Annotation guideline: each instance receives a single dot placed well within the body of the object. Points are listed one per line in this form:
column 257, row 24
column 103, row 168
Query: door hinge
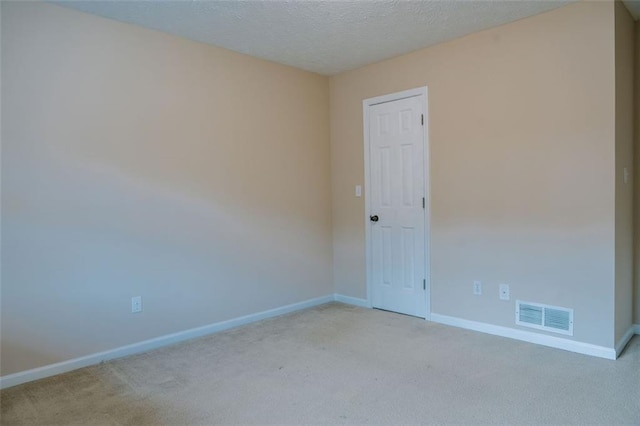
column 422, row 119
column 424, row 284
column 423, row 202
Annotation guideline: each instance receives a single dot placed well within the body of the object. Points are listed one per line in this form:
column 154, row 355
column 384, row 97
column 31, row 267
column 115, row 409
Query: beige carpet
column 337, row 364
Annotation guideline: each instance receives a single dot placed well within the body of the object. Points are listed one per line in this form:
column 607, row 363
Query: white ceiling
column 326, row 37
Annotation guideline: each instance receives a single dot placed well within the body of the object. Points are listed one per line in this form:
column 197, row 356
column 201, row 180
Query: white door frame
column 366, row 104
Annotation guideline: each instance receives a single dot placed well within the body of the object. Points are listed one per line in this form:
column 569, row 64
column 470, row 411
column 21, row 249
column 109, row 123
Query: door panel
column 397, row 180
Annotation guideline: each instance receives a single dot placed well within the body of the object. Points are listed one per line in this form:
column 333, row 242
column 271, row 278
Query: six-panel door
column 397, row 162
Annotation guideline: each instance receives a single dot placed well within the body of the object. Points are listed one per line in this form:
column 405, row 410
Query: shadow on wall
column 80, row 239
column 31, row 354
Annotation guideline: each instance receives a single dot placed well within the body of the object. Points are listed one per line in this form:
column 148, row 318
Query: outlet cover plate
column 136, row 304
column 477, row 288
column 504, row 292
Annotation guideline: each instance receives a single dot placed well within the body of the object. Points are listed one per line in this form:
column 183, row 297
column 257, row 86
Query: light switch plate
column 358, row 190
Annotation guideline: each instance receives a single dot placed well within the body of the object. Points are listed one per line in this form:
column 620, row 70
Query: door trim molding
column 366, row 104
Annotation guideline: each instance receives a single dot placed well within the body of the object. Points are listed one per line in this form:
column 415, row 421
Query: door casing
column 366, row 104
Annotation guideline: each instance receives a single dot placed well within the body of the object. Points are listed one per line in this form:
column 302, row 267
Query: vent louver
column 544, row 317
column 531, row 314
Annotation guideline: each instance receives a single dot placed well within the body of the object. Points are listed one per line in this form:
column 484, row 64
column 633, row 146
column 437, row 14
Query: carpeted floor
column 338, row 364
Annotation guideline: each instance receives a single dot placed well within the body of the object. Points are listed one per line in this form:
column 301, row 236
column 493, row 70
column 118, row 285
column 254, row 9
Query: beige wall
column 138, row 163
column 522, row 167
column 624, row 45
column 637, row 173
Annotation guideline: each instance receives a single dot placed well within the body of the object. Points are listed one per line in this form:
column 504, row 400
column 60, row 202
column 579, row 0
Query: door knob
column 374, row 218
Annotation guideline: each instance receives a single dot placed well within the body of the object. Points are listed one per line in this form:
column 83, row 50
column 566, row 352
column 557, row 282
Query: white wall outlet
column 358, row 190
column 625, row 175
column 477, row 288
column 136, row 304
column 504, row 292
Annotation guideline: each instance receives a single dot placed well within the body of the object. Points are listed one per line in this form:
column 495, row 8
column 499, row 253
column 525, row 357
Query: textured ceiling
column 326, row 37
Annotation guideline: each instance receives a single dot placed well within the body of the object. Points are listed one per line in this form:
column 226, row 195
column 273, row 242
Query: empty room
column 320, row 212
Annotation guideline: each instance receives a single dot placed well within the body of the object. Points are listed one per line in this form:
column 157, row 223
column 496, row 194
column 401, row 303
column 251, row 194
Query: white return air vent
column 544, row 317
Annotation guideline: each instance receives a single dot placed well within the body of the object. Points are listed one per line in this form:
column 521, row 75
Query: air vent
column 544, row 317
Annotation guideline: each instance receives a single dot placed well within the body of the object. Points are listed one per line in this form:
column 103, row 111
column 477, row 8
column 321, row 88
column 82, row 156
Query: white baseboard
column 625, row 339
column 363, row 303
column 169, row 339
column 147, row 345
column 528, row 336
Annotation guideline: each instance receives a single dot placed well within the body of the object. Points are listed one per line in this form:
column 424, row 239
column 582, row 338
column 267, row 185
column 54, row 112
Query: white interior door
column 397, row 206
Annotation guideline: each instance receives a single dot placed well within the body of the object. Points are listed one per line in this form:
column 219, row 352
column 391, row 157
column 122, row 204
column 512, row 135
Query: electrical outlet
column 136, row 304
column 477, row 288
column 504, row 291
